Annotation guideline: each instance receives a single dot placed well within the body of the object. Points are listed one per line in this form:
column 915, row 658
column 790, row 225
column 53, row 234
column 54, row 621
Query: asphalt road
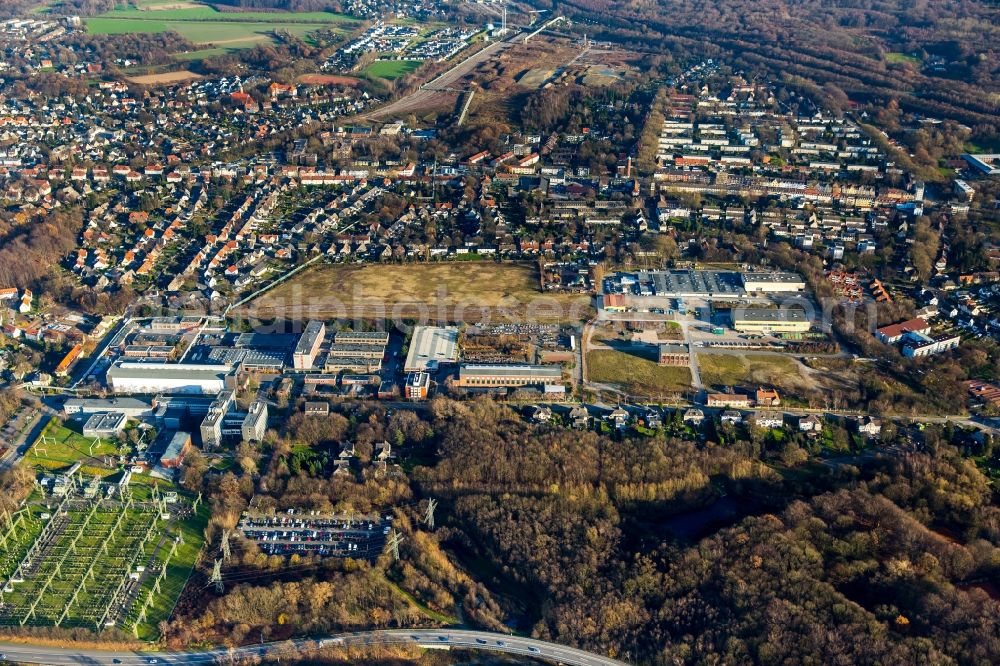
column 439, row 639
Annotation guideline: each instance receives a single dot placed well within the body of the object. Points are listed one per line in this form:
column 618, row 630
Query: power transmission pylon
column 429, row 514
column 217, row 577
column 395, row 538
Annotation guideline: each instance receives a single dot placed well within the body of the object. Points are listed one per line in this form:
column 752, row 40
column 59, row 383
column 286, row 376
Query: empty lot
column 455, row 291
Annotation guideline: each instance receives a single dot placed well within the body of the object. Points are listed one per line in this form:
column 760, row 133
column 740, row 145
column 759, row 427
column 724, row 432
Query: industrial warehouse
column 702, row 284
column 762, row 320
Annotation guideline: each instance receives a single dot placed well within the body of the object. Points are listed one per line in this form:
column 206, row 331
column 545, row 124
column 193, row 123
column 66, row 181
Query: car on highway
column 501, row 644
column 481, row 641
column 532, row 648
column 443, row 639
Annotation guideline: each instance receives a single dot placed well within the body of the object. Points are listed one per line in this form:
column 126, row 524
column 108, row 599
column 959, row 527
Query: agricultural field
column 164, row 78
column 391, row 69
column 453, row 291
column 637, row 375
column 98, row 557
column 328, row 80
column 205, row 25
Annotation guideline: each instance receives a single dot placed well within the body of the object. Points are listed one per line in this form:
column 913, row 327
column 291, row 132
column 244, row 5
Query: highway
column 431, row 639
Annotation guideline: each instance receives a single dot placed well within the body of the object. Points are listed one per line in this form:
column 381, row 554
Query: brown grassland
column 456, row 291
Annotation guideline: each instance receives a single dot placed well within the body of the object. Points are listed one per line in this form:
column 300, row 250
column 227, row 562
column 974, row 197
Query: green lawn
column 637, row 375
column 205, row 13
column 205, row 25
column 901, row 58
column 391, row 69
column 178, row 572
column 63, row 447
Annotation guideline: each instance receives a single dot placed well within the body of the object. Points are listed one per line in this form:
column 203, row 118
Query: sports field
column 454, row 291
column 391, row 69
column 205, row 25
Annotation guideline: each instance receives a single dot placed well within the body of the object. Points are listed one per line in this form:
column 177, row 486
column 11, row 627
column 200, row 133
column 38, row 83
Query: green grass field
column 637, row 375
column 901, row 58
column 62, row 447
column 391, row 69
column 205, row 13
column 226, row 31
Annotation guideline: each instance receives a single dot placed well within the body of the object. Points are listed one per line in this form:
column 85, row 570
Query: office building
column 418, row 385
column 211, row 425
column 255, row 422
column 308, row 345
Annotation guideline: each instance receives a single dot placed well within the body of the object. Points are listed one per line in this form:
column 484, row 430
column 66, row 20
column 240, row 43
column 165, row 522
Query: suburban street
column 438, row 639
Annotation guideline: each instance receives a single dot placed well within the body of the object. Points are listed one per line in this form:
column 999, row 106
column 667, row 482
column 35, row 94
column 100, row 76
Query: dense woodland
column 827, row 49
column 618, row 544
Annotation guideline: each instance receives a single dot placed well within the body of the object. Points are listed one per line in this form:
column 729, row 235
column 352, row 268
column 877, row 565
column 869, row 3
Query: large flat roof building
column 106, row 424
column 761, row 320
column 361, row 338
column 697, row 284
column 131, row 407
column 127, row 377
column 759, row 282
column 474, row 375
column 430, row 346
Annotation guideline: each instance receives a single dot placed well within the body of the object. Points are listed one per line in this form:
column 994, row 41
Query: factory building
column 760, row 320
column 430, row 346
column 178, row 447
column 129, row 377
column 105, row 424
column 771, row 283
column 492, row 376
